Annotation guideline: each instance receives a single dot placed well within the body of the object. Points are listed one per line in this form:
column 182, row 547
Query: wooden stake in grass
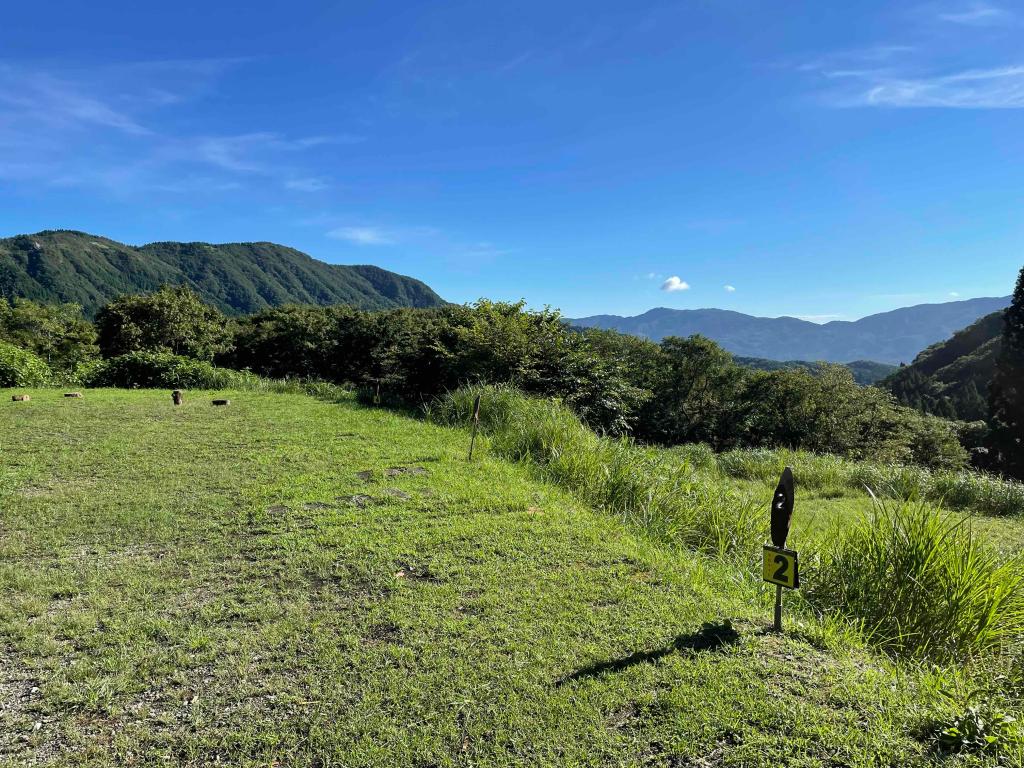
column 376, row 395
column 476, row 424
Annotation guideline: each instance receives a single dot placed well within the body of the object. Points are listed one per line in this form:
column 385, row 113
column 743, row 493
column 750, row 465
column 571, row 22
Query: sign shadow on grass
column 709, row 638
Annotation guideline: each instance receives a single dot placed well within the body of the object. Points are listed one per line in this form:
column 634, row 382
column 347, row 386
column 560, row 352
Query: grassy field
column 287, row 581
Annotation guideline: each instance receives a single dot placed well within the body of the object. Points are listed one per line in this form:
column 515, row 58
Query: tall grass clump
column 644, row 487
column 920, row 584
column 955, row 489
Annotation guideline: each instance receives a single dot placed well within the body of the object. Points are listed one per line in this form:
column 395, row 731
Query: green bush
column 21, row 368
column 921, row 584
column 160, row 370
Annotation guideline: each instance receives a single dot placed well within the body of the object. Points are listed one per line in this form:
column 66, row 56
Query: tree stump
column 176, row 396
column 21, row 398
column 222, row 402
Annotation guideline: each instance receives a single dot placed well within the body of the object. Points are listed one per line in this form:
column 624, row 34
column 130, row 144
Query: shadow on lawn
column 710, row 637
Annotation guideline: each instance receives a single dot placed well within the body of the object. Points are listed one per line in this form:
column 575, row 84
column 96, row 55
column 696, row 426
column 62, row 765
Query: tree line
column 681, row 390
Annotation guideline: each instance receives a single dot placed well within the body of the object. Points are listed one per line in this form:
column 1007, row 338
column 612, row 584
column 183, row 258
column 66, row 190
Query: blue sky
column 814, row 159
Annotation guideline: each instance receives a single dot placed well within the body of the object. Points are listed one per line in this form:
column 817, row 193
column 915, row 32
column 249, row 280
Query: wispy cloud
column 1000, row 88
column 932, row 71
column 308, row 184
column 674, row 284
column 977, row 15
column 954, row 294
column 362, row 235
column 729, row 288
column 819, row 318
column 105, row 127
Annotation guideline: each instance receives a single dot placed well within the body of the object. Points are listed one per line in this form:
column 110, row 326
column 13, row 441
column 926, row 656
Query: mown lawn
column 251, row 585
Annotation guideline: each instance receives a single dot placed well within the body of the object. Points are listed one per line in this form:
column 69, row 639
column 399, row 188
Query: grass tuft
column 921, row 584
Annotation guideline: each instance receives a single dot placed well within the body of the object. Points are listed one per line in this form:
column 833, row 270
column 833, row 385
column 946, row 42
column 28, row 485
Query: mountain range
column 888, row 337
column 237, row 278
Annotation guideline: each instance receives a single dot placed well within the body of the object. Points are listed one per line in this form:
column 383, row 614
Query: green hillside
column 951, row 378
column 338, row 586
column 237, row 278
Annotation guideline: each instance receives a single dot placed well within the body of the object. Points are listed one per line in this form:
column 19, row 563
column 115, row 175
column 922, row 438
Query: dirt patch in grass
column 27, row 734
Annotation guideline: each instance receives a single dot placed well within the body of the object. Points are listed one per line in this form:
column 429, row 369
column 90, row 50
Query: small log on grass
column 72, row 394
column 222, row 402
column 21, row 398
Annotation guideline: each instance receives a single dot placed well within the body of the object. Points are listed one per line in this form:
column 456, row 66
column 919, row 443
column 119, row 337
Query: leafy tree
column 22, row 368
column 58, row 333
column 171, row 319
column 1006, row 398
column 695, row 395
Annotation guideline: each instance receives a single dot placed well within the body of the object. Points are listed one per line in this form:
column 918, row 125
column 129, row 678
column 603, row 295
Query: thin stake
column 476, row 423
column 778, row 608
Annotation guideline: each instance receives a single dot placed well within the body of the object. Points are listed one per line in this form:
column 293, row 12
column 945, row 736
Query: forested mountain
column 952, row 378
column 67, row 266
column 864, row 371
column 889, row 337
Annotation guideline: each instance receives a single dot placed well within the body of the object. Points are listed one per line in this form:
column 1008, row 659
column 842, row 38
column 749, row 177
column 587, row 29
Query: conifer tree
column 1006, row 399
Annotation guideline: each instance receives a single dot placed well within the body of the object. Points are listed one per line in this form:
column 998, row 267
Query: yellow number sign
column 781, row 567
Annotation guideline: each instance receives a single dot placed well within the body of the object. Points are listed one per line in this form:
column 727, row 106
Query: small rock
column 361, row 500
column 366, row 475
column 396, row 471
column 397, row 493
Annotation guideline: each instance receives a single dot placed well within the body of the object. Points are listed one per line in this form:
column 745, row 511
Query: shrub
column 920, row 584
column 160, row 370
column 21, row 368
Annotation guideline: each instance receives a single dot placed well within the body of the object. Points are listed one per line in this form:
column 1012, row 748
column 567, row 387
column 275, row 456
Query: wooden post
column 176, row 396
column 476, row 424
column 778, row 608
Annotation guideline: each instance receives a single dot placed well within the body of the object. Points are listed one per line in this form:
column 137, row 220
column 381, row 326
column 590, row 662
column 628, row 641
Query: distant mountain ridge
column 888, row 337
column 237, row 278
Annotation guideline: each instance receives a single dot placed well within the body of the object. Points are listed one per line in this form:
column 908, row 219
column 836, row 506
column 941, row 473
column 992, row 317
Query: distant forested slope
column 67, row 266
column 864, row 371
column 952, row 378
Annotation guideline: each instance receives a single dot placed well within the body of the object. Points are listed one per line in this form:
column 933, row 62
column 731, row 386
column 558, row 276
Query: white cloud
column 954, row 294
column 362, row 235
column 729, row 288
column 819, row 318
column 674, row 284
column 976, row 15
column 999, row 88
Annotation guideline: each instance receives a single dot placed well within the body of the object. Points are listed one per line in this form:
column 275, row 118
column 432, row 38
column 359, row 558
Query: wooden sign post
column 780, row 565
column 476, row 424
